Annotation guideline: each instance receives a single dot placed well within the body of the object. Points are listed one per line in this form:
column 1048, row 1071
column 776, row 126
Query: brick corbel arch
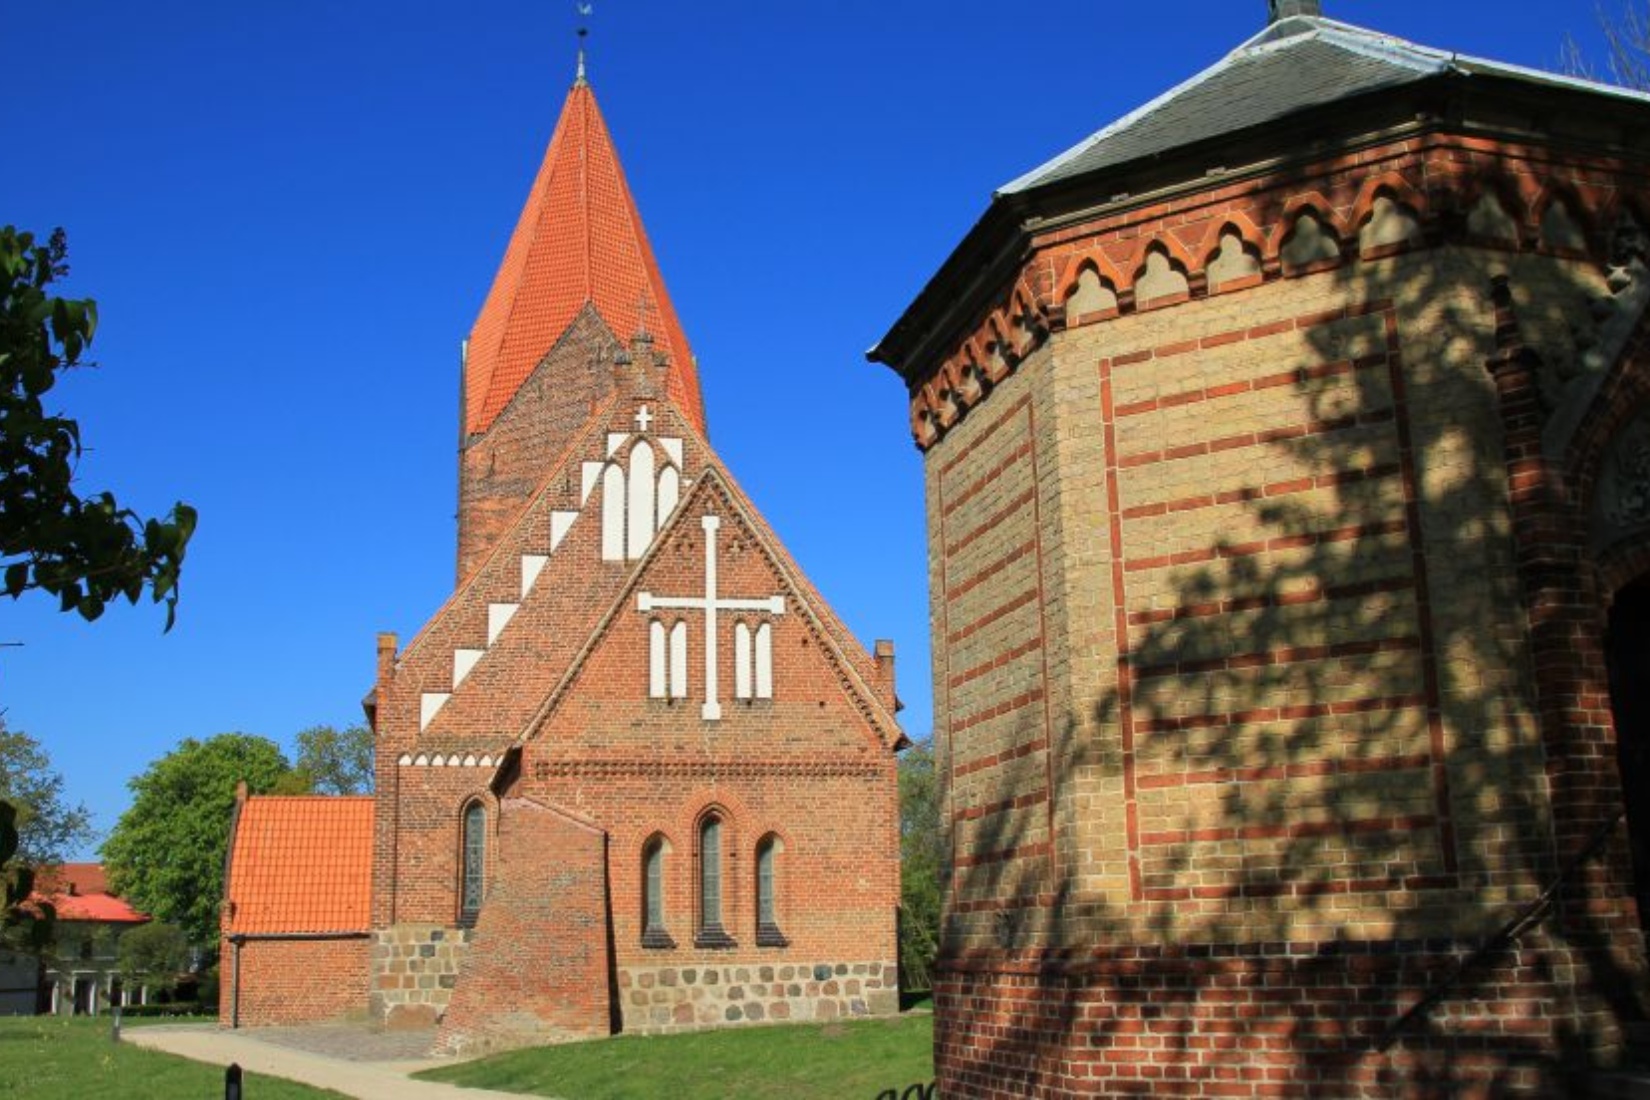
column 1171, row 247
column 1399, row 189
column 1320, row 208
column 1066, row 282
column 1208, row 245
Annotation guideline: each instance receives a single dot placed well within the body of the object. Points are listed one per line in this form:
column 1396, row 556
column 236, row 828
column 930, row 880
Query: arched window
column 767, row 886
column 711, row 933
column 653, row 894
column 472, row 873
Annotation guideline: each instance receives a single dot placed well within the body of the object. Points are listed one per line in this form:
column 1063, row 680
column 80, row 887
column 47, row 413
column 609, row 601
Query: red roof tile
column 301, row 864
column 80, row 891
column 579, row 240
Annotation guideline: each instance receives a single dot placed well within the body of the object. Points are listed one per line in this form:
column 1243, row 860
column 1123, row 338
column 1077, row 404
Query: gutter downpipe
column 240, row 939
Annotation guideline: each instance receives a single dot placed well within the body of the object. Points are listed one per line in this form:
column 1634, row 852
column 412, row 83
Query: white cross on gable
column 644, row 419
column 710, row 603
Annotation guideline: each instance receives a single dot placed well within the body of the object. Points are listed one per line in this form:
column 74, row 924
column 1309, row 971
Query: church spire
column 579, row 241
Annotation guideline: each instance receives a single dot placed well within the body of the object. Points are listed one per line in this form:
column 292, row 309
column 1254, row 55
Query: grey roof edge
column 1401, row 53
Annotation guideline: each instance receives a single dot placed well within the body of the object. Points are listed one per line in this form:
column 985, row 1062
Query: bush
column 176, row 1008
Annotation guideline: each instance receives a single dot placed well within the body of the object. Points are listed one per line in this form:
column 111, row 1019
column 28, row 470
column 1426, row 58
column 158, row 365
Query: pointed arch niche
column 641, row 486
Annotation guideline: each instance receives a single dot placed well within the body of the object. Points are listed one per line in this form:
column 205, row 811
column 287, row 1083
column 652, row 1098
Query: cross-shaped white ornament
column 710, row 603
column 644, row 419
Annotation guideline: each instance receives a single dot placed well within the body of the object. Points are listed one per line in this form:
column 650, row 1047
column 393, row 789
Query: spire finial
column 584, row 10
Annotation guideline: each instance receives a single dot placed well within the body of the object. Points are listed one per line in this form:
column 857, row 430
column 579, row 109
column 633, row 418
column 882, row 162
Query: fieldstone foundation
column 656, row 1000
column 414, row 970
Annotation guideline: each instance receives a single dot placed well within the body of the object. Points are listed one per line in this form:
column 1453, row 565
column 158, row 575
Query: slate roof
column 579, row 240
column 1294, row 65
column 300, row 864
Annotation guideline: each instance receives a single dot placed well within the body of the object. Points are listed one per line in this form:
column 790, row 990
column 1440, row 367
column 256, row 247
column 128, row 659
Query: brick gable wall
column 1233, row 667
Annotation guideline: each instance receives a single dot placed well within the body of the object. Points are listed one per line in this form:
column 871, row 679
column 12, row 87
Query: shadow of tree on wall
column 1332, row 731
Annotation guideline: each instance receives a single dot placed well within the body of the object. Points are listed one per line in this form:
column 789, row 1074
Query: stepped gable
column 454, row 685
column 482, row 673
column 579, row 241
column 678, row 553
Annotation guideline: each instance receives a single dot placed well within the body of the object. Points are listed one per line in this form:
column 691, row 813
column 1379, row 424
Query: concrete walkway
column 366, row 1080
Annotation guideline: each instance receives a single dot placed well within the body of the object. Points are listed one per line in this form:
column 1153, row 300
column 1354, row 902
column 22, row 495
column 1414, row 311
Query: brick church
column 635, row 774
column 1287, row 460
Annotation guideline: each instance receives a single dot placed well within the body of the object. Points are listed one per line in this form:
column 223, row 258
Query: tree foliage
column 85, row 551
column 153, row 954
column 48, row 828
column 336, row 761
column 24, row 925
column 922, row 849
column 166, row 853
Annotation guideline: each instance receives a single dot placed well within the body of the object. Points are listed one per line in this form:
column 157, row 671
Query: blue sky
column 290, row 213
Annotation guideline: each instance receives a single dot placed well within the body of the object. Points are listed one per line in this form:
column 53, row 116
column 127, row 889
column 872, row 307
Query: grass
column 49, row 1056
column 854, row 1059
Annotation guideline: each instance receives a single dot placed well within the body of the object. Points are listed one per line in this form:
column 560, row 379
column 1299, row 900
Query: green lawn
column 46, row 1056
column 843, row 1061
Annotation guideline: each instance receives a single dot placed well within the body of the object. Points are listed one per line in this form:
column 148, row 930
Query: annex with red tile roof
column 300, row 864
column 579, row 241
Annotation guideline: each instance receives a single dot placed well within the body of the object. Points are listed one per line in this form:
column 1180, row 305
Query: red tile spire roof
column 579, row 240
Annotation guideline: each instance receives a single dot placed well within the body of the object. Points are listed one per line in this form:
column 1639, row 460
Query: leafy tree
column 922, row 849
column 336, row 761
column 166, row 853
column 24, row 926
column 48, row 828
column 85, row 551
column 153, row 954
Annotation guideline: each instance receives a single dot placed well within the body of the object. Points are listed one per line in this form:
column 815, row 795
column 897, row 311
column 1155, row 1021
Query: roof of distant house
column 300, row 864
column 80, row 892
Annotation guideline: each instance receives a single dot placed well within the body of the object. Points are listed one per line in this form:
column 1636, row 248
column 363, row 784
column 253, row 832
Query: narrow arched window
column 472, row 876
column 767, row 886
column 711, row 933
column 653, row 895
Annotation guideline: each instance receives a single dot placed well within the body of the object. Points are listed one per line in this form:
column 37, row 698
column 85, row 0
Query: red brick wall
column 292, row 981
column 500, row 470
column 537, row 968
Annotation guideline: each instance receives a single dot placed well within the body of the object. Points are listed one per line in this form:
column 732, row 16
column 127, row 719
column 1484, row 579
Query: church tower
column 578, row 273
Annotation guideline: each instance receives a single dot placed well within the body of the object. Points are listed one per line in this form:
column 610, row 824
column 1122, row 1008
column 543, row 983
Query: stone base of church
column 655, row 1000
column 414, row 970
column 1277, row 1019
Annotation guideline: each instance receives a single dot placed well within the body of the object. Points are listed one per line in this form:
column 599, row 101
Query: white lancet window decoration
column 613, row 513
column 710, row 604
column 667, row 660
column 752, row 661
column 643, row 521
column 641, row 486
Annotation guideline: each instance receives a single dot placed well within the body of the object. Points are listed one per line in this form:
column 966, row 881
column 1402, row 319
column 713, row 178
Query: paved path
column 364, row 1064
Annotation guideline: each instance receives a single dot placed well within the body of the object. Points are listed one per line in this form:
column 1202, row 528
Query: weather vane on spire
column 584, row 9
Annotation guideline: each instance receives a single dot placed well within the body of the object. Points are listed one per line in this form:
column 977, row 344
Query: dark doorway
column 84, row 991
column 1628, row 647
